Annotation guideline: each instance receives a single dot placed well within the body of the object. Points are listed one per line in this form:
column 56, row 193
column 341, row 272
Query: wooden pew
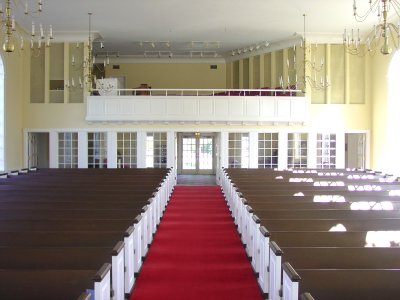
column 74, row 220
column 294, row 226
column 359, row 258
column 341, row 284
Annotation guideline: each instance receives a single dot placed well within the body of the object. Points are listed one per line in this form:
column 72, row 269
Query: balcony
column 209, row 106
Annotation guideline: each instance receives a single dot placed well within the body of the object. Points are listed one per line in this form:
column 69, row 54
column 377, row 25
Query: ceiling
column 207, row 27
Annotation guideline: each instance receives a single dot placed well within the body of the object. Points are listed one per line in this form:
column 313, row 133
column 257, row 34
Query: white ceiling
column 208, row 25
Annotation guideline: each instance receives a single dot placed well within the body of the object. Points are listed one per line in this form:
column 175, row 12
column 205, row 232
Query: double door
column 196, row 153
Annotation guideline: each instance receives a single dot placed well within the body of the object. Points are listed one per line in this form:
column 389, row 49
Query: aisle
column 197, row 252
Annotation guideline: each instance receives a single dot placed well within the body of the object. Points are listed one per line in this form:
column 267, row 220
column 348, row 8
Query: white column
column 171, row 149
column 340, row 150
column 82, row 150
column 224, row 149
column 282, row 150
column 111, row 149
column 312, row 150
column 253, row 150
column 53, row 149
column 141, row 149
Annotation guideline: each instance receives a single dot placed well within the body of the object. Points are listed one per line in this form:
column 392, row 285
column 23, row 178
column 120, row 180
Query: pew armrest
column 118, row 248
column 306, row 296
column 104, row 270
column 84, row 296
column 264, row 231
column 288, row 269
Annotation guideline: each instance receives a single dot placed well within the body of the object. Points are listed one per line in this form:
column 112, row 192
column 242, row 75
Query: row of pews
column 78, row 233
column 318, row 234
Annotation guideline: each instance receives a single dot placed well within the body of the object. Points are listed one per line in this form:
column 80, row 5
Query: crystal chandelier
column 8, row 26
column 382, row 36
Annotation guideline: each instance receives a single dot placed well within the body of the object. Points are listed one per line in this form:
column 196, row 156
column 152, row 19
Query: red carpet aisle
column 196, row 253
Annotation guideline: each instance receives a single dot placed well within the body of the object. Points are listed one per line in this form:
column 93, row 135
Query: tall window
column 238, row 150
column 67, row 149
column 127, row 150
column 268, row 150
column 97, row 150
column 1, row 114
column 156, row 150
column 297, row 150
column 326, row 151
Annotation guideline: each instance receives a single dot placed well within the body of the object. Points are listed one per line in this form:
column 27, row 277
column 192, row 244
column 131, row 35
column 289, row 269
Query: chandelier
column 8, row 9
column 311, row 69
column 382, row 36
column 84, row 67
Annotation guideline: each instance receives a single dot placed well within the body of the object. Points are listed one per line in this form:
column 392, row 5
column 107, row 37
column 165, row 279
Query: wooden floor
column 196, row 180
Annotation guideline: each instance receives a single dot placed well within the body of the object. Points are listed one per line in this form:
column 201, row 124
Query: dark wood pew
column 341, row 257
column 327, row 258
column 54, row 258
column 94, row 207
column 60, row 238
column 292, row 214
column 320, row 238
column 301, row 205
column 47, row 284
column 344, row 284
column 325, row 225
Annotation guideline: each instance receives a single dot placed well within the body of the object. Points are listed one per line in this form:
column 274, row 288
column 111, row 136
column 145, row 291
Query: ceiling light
column 10, row 33
column 384, row 33
column 153, row 45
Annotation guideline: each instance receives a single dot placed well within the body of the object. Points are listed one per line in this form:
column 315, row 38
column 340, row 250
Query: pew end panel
column 255, row 225
column 263, row 278
column 275, row 269
column 290, row 283
column 102, row 283
column 118, row 272
column 129, row 259
column 138, row 242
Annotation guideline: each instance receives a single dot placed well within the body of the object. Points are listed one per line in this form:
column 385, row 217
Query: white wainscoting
column 249, row 109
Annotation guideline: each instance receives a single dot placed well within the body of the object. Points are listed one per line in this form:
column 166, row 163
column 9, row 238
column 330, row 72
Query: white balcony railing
column 198, row 105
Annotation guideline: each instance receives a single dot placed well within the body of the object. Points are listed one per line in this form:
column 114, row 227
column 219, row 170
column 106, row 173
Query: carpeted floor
column 196, row 253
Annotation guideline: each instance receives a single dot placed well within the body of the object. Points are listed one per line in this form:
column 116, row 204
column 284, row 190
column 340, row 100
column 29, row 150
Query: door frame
column 197, row 135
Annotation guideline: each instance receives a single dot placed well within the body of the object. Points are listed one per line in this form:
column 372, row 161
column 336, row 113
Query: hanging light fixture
column 10, row 33
column 309, row 71
column 382, row 36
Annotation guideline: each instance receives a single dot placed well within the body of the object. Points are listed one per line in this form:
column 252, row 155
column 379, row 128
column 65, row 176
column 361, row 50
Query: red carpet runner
column 196, row 253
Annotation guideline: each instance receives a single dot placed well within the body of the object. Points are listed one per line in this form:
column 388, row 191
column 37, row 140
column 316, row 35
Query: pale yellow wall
column 380, row 138
column 171, row 75
column 20, row 113
column 17, row 77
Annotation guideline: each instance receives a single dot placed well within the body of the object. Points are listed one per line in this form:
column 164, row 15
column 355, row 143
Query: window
column 1, row 114
column 97, row 150
column 268, row 150
column 67, row 150
column 326, row 151
column 238, row 150
column 127, row 150
column 156, row 150
column 297, row 150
